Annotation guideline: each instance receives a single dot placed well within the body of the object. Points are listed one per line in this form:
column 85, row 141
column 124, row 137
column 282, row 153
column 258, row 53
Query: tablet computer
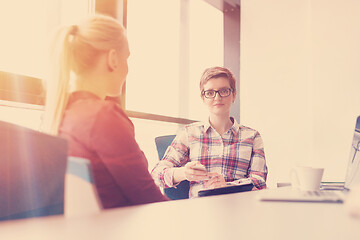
column 226, row 190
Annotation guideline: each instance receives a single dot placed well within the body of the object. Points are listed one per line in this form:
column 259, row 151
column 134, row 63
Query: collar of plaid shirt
column 235, row 128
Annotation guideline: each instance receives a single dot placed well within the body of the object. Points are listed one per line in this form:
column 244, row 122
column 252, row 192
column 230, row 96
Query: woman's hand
column 192, row 171
column 216, row 180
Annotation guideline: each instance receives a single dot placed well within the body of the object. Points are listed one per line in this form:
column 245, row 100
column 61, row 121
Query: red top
column 101, row 132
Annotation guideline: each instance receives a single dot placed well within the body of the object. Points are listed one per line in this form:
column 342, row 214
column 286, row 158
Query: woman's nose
column 217, row 95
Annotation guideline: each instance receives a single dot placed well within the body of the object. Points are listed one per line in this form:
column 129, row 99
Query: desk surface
column 233, row 216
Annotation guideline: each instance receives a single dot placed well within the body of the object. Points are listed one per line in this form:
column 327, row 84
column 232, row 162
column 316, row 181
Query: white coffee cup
column 306, row 178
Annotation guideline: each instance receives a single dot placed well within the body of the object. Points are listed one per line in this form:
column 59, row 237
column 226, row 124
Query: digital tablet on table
column 226, row 190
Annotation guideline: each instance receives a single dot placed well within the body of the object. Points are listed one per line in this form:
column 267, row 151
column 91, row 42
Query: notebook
column 32, row 172
column 329, row 192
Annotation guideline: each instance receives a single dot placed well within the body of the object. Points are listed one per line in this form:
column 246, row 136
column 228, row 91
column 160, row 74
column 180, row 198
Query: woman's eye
column 210, row 93
column 224, row 91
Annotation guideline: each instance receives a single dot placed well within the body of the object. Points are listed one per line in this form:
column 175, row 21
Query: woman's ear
column 112, row 60
column 202, row 97
column 234, row 96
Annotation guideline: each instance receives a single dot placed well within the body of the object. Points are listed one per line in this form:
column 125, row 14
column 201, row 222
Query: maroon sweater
column 101, row 132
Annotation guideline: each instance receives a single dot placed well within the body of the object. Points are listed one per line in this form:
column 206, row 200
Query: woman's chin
column 220, row 112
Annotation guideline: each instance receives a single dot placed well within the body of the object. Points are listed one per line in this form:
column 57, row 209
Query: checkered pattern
column 238, row 155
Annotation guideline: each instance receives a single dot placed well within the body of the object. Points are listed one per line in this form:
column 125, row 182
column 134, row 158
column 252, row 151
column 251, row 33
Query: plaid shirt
column 238, row 155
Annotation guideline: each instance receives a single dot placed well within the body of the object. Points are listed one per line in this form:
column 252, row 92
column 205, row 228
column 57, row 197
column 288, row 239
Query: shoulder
column 248, row 131
column 88, row 104
column 101, row 110
column 195, row 128
column 188, row 132
column 112, row 108
column 113, row 132
column 112, row 114
column 246, row 128
column 194, row 125
column 85, row 108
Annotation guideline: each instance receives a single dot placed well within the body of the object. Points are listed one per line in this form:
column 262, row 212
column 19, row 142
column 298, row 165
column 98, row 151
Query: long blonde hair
column 75, row 50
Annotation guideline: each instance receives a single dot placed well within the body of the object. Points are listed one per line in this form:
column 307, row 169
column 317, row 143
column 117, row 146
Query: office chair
column 81, row 197
column 32, row 170
column 182, row 190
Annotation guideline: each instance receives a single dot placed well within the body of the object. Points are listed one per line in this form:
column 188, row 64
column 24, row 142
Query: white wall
column 300, row 81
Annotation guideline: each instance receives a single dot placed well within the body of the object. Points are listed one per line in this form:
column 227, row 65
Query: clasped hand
column 194, row 171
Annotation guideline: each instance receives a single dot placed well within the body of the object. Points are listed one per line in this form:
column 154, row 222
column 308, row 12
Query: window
column 25, row 27
column 171, row 43
column 23, row 36
column 206, row 50
column 153, row 32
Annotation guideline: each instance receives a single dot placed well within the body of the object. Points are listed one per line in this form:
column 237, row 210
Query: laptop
column 330, row 192
column 32, row 172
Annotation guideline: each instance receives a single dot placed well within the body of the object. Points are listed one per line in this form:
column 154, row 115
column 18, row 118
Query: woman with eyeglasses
column 218, row 152
column 94, row 56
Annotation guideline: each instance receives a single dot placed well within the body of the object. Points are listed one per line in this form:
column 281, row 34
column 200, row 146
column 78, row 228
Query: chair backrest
column 182, row 190
column 81, row 197
column 32, row 170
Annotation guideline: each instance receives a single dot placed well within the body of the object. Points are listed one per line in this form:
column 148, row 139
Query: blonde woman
column 95, row 52
column 218, row 152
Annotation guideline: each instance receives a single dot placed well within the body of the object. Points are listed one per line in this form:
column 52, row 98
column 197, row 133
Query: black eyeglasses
column 224, row 92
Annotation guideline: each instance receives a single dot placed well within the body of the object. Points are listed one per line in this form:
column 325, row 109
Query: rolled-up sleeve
column 257, row 171
column 176, row 155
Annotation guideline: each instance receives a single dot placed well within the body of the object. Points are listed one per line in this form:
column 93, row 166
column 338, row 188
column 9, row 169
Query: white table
column 233, row 216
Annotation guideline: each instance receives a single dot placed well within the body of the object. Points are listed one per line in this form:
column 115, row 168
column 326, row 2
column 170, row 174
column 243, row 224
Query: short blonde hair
column 216, row 72
column 76, row 49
